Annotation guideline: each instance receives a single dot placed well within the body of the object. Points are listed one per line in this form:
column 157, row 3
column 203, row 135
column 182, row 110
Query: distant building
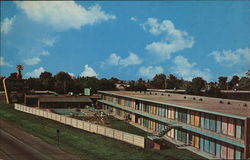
column 121, row 87
column 236, row 94
column 220, row 127
column 41, row 92
column 59, row 101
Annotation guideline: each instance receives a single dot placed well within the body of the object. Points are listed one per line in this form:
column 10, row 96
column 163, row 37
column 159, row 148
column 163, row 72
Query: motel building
column 213, row 126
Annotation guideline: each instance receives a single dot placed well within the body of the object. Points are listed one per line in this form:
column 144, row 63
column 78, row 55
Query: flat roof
column 236, row 107
column 67, row 99
column 58, row 96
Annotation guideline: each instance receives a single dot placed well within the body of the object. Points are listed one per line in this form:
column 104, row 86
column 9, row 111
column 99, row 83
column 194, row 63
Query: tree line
column 198, row 86
column 62, row 82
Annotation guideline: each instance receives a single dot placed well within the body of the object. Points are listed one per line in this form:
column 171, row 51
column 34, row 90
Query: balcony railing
column 208, row 133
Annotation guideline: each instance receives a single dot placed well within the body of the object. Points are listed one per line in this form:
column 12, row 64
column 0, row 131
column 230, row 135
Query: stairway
column 160, row 134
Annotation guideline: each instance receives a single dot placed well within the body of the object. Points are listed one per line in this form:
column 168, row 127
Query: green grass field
column 125, row 126
column 83, row 144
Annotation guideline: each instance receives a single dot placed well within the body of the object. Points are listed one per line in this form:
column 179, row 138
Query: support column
column 188, row 117
column 246, row 138
column 38, row 103
column 133, row 117
column 187, row 138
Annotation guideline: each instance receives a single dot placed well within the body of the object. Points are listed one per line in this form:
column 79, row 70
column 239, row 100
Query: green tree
column 63, row 83
column 1, row 83
column 172, row 82
column 34, row 84
column 196, row 85
column 79, row 85
column 244, row 83
column 114, row 80
column 184, row 84
column 47, row 81
column 138, row 85
column 233, row 82
column 131, row 85
column 13, row 76
column 213, row 90
column 91, row 82
column 106, row 85
column 222, row 83
column 159, row 81
column 248, row 73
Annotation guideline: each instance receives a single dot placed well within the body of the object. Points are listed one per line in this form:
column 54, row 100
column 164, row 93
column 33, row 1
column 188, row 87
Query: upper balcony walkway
column 205, row 132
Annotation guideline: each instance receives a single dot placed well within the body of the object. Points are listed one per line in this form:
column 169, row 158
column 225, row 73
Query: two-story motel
column 220, row 127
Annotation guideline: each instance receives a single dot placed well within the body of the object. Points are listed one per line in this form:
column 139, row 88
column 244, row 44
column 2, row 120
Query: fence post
column 76, row 123
column 133, row 139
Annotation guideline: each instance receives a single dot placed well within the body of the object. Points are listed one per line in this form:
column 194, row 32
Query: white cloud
column 183, row 68
column 49, row 41
column 174, row 40
column 45, row 53
column 231, row 58
column 88, row 72
column 150, row 71
column 35, row 73
column 115, row 60
column 63, row 15
column 3, row 63
column 133, row 19
column 71, row 74
column 152, row 26
column 32, row 61
column 132, row 59
column 6, row 25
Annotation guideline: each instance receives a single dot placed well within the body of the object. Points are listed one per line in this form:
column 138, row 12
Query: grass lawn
column 125, row 126
column 84, row 144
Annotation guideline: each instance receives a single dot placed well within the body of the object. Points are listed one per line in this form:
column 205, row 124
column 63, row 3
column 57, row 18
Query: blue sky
column 126, row 39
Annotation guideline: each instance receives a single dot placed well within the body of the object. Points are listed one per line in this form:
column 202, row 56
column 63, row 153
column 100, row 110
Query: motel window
column 210, row 122
column 182, row 116
column 147, row 107
column 181, row 136
column 110, row 98
column 119, row 100
column 206, row 121
column 128, row 103
column 144, row 107
column 208, row 145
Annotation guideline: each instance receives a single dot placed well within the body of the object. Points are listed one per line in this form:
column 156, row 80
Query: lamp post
column 58, row 132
